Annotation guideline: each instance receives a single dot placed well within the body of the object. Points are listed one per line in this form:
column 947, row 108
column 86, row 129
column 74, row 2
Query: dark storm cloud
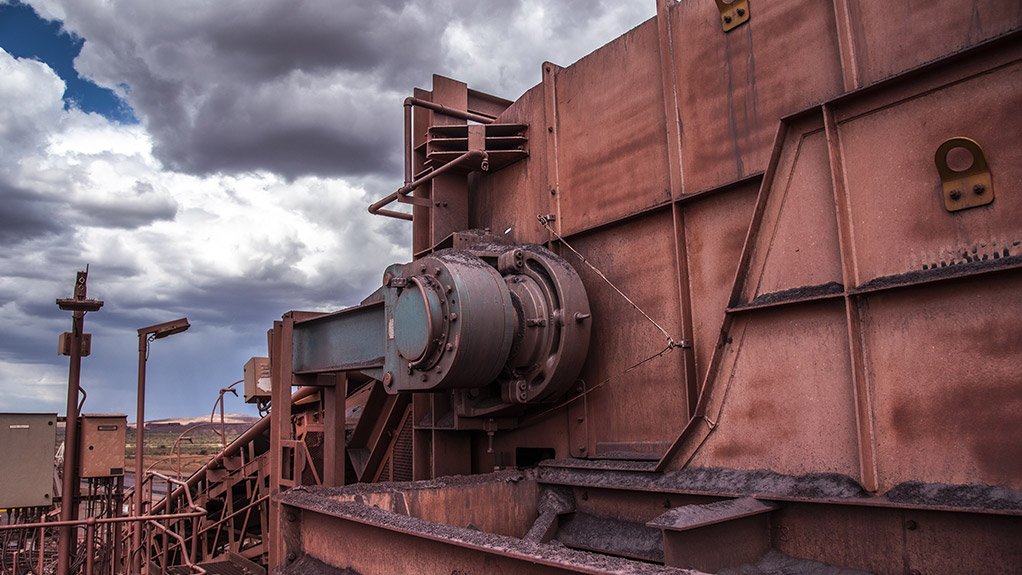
column 262, row 86
column 350, row 35
column 235, row 134
column 315, row 87
column 144, row 208
column 25, row 216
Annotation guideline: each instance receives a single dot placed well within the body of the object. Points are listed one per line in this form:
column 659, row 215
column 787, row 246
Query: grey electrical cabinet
column 27, row 446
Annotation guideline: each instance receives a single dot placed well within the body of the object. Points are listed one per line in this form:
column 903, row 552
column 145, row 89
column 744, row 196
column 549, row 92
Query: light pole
column 145, row 335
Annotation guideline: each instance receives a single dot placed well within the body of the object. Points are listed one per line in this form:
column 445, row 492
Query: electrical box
column 27, row 446
column 257, row 379
column 64, row 344
column 101, row 441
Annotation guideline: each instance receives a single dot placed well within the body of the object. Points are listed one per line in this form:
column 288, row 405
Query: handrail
column 184, row 547
column 223, row 520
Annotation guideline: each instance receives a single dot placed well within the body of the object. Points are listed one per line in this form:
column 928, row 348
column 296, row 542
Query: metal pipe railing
column 377, row 208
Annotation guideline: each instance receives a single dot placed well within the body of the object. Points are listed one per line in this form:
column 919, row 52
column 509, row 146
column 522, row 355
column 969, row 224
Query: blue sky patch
column 23, row 34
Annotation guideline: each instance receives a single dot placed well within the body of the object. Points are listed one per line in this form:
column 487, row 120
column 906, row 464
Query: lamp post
column 145, row 335
column 75, row 344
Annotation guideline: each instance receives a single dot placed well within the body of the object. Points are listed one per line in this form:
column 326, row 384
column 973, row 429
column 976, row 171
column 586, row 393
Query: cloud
column 315, row 88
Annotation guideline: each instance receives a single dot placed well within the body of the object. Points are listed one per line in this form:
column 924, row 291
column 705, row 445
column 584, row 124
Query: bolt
column 439, row 370
column 523, row 396
column 741, row 11
column 582, row 448
column 388, row 379
column 523, row 385
column 425, row 377
column 955, row 195
column 454, row 316
column 291, row 517
column 410, row 368
column 727, row 19
column 550, row 129
column 553, row 191
column 979, row 189
column 580, row 317
column 449, row 288
column 291, row 556
column 450, row 347
column 911, row 525
column 436, row 271
column 387, row 277
column 580, row 419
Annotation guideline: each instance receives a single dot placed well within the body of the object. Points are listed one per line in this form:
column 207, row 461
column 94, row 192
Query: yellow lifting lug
column 970, row 186
column 733, row 14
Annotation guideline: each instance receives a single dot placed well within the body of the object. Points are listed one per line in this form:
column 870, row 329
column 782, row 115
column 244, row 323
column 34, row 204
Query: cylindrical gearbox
column 511, row 318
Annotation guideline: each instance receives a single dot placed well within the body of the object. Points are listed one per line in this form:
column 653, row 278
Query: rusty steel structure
column 737, row 292
column 796, row 242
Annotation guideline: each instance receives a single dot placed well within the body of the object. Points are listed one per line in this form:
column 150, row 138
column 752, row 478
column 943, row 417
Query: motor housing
column 503, row 326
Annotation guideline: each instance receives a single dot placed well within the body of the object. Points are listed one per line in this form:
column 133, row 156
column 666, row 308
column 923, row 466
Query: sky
column 214, row 160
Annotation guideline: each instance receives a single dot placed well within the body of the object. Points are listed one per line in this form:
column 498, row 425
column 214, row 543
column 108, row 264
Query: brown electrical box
column 101, row 442
column 27, row 446
column 257, row 379
column 64, row 344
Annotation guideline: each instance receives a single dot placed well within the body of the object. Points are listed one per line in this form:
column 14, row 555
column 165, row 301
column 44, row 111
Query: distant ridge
column 229, row 419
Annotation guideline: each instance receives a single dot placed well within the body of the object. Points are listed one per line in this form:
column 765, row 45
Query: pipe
column 136, row 539
column 376, row 208
column 410, row 102
column 461, row 114
column 408, row 143
column 103, row 520
column 69, row 490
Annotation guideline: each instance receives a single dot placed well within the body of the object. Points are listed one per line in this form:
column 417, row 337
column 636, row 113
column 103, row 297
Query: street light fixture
column 146, row 335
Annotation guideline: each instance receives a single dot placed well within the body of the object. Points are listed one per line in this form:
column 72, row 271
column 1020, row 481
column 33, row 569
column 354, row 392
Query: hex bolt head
column 955, row 195
column 979, row 189
column 911, row 525
column 291, row 556
column 425, row 377
column 741, row 11
column 727, row 19
column 454, row 316
column 450, row 347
